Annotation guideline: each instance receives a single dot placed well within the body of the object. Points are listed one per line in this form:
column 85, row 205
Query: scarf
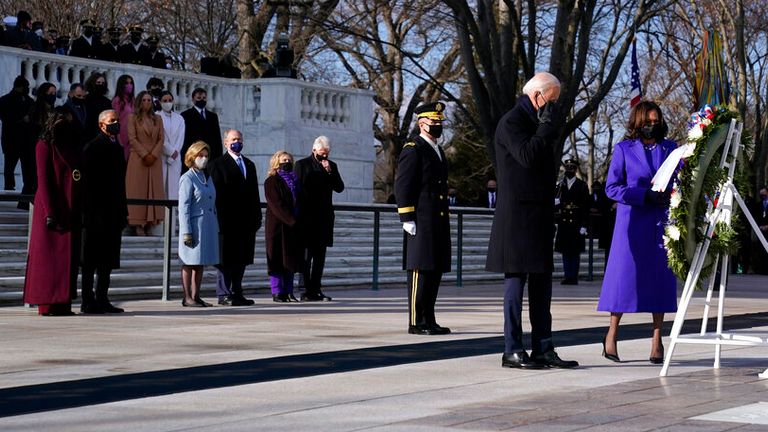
column 292, row 181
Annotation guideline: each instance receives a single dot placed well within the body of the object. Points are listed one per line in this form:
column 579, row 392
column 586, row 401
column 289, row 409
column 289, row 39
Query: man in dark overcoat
column 134, row 51
column 201, row 125
column 239, row 212
column 105, row 213
column 319, row 178
column 16, row 142
column 421, row 191
column 523, row 224
column 572, row 210
column 110, row 50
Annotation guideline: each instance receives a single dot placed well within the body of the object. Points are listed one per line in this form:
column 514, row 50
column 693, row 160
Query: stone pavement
column 350, row 365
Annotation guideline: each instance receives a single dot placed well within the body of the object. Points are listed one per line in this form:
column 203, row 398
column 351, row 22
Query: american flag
column 636, row 94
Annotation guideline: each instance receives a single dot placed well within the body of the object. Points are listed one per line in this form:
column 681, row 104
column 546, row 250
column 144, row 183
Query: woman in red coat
column 54, row 246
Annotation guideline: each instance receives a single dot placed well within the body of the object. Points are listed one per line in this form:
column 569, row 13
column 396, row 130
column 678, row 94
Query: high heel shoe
column 609, row 356
column 657, row 360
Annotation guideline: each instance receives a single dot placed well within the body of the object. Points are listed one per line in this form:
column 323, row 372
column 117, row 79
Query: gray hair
column 541, row 82
column 104, row 114
column 231, row 130
column 322, row 142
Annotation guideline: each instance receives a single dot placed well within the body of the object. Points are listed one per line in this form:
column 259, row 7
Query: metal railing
column 375, row 209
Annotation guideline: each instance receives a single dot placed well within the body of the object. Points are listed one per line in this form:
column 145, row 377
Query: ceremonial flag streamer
column 712, row 86
column 636, row 94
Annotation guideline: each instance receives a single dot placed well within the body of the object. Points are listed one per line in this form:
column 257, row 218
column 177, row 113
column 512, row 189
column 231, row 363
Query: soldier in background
column 134, row 51
column 85, row 45
column 110, row 51
column 155, row 57
column 572, row 209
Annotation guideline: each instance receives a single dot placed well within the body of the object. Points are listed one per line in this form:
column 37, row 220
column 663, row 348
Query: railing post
column 376, row 227
column 167, row 230
column 591, row 270
column 459, row 248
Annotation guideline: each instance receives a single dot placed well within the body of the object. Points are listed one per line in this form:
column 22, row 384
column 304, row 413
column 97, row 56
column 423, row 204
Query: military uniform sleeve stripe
column 402, row 210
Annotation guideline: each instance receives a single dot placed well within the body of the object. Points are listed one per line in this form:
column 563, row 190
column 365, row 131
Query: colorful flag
column 636, row 94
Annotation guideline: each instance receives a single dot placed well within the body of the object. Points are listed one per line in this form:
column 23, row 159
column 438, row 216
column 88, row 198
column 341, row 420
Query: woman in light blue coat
column 198, row 225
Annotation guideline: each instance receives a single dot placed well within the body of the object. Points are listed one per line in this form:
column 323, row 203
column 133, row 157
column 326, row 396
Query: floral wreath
column 696, row 186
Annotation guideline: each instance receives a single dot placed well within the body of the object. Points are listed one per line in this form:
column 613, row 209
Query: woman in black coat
column 281, row 189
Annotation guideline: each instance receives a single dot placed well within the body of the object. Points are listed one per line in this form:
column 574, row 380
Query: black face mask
column 113, row 128
column 100, row 89
column 50, row 99
column 156, row 92
column 78, row 101
column 652, row 132
column 491, row 190
column 321, row 158
column 115, row 40
column 200, row 104
column 570, row 174
column 88, row 33
column 286, row 166
column 436, row 130
column 136, row 39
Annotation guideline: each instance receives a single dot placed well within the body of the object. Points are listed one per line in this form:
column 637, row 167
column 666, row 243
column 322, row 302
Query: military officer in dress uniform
column 421, row 191
column 572, row 209
column 109, row 51
column 86, row 45
column 134, row 51
column 155, row 56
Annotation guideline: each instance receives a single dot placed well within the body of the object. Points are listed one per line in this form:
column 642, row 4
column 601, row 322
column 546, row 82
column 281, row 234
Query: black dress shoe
column 519, row 360
column 59, row 313
column 421, row 330
column 552, row 360
column 280, row 298
column 440, row 330
column 323, row 297
column 225, row 301
column 310, row 297
column 609, row 356
column 242, row 301
column 292, row 298
column 202, row 302
column 91, row 309
column 569, row 281
column 109, row 308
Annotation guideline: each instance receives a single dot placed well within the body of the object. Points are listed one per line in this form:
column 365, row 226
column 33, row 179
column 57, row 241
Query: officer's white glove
column 410, row 228
column 557, row 201
column 583, row 231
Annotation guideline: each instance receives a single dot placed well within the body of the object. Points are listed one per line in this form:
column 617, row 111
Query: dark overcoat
column 238, row 209
column 54, row 253
column 14, row 113
column 572, row 215
column 208, row 130
column 81, row 48
column 523, row 224
column 105, row 212
column 284, row 249
column 316, row 217
column 94, row 106
column 127, row 53
column 421, row 191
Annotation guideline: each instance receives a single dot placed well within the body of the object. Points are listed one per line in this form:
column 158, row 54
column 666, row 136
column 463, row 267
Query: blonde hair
column 139, row 114
column 193, row 151
column 274, row 161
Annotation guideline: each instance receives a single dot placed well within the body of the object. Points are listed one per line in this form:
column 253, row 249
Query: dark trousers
column 102, row 284
column 422, row 295
column 571, row 264
column 10, row 160
column 28, row 173
column 539, row 299
column 313, row 270
column 229, row 280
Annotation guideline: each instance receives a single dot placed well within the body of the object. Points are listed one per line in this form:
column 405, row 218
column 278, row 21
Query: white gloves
column 410, row 228
column 583, row 231
column 557, row 201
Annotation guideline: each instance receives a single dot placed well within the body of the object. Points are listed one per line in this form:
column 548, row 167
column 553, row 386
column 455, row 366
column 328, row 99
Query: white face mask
column 201, row 162
column 39, row 32
column 167, row 106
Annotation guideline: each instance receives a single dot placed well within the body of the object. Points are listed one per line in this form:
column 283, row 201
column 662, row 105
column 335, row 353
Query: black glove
column 548, row 113
column 50, row 222
column 654, row 198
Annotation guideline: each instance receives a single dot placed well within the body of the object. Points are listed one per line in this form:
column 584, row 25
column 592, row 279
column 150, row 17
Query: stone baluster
column 27, row 72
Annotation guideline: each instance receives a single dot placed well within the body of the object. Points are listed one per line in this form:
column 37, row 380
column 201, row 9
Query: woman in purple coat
column 637, row 278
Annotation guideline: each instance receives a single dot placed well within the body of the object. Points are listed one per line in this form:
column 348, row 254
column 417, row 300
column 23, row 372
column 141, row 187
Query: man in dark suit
column 86, row 45
column 488, row 199
column 572, row 210
column 76, row 103
column 239, row 212
column 105, row 213
column 134, row 51
column 201, row 124
column 16, row 142
column 421, row 191
column 319, row 179
column 521, row 236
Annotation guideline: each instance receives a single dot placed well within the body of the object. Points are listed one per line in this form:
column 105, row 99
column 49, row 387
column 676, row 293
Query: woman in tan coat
column 144, row 175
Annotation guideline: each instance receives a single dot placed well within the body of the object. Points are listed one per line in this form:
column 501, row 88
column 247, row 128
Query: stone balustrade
column 272, row 113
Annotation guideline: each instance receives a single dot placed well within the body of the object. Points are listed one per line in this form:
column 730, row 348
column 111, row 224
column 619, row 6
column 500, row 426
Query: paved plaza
column 350, row 365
